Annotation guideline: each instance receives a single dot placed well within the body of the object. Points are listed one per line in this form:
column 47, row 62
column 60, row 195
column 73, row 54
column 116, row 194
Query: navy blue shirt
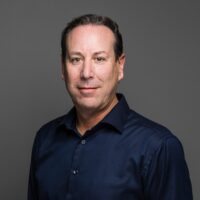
column 124, row 157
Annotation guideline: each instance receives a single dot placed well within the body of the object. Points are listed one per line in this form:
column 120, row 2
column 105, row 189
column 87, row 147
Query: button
column 83, row 141
column 74, row 172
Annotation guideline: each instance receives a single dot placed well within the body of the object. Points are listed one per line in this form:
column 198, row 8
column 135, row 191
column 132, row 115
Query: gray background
column 161, row 77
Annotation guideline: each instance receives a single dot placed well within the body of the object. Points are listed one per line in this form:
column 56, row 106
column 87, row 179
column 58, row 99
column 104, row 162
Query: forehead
column 90, row 35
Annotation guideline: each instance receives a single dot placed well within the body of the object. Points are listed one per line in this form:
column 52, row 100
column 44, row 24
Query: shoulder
column 46, row 134
column 52, row 124
column 155, row 142
column 149, row 133
column 147, row 127
column 49, row 128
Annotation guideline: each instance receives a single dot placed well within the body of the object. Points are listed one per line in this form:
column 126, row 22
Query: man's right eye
column 75, row 60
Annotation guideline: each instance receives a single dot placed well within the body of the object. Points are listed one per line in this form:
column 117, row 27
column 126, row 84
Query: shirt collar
column 116, row 117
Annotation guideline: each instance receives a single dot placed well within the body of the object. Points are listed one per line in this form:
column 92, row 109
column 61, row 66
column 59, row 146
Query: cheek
column 110, row 75
column 106, row 72
column 71, row 76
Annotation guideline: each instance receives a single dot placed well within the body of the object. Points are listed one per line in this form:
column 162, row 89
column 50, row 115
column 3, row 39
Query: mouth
column 87, row 90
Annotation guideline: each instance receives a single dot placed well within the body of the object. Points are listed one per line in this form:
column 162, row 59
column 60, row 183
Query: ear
column 62, row 69
column 121, row 63
column 62, row 73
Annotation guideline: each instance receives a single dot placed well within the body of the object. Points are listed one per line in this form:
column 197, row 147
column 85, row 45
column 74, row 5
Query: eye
column 100, row 59
column 75, row 60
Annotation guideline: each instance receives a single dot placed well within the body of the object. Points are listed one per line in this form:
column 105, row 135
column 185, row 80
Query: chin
column 89, row 104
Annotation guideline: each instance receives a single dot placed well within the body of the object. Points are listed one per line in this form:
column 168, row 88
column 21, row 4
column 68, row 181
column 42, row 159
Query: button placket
column 75, row 171
column 83, row 141
column 75, row 163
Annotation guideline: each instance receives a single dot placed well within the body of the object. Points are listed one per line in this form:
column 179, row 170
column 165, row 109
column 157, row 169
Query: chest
column 91, row 168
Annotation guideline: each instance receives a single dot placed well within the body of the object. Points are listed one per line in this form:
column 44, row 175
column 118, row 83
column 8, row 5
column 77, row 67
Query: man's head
column 93, row 20
column 93, row 63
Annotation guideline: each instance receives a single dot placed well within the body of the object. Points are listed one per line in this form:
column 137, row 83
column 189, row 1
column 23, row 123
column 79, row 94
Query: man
column 101, row 149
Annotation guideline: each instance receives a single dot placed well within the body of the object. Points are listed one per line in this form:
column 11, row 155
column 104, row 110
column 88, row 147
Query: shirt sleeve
column 167, row 176
column 32, row 186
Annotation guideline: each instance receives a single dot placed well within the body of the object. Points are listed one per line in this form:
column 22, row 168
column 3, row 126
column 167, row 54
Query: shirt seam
column 147, row 165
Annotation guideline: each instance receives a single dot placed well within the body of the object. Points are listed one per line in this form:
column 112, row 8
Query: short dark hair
column 94, row 20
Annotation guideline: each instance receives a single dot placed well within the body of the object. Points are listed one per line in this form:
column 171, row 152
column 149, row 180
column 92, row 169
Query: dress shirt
column 124, row 157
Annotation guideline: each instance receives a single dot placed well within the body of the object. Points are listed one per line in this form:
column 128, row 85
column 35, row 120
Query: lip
column 87, row 89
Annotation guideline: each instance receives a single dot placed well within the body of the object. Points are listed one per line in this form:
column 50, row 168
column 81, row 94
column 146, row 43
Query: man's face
column 91, row 71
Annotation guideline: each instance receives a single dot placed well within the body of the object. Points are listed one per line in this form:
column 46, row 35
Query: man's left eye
column 100, row 59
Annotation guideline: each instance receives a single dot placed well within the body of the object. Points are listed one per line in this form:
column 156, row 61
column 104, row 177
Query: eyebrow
column 99, row 52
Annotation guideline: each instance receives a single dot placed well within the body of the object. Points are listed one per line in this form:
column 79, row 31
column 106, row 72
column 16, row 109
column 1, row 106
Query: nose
column 87, row 70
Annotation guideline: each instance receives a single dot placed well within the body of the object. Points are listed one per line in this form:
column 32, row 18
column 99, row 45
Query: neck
column 86, row 119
